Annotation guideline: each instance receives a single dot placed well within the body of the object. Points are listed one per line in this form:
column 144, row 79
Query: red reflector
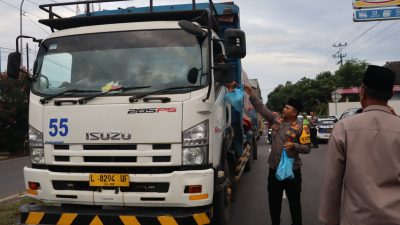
column 33, row 185
column 195, row 189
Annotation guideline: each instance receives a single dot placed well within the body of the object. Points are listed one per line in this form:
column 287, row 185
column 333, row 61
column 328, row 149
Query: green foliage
column 350, row 74
column 9, row 213
column 13, row 113
column 316, row 93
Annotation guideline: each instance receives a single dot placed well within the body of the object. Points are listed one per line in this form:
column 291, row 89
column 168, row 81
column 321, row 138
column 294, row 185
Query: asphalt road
column 251, row 206
column 12, row 176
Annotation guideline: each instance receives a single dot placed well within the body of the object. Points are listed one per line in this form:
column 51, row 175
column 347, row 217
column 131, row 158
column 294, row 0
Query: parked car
column 325, row 127
column 349, row 112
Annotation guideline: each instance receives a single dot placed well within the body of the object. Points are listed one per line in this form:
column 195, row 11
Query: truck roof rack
column 132, row 14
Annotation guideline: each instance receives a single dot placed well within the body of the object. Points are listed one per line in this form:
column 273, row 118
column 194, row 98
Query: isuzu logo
column 106, row 136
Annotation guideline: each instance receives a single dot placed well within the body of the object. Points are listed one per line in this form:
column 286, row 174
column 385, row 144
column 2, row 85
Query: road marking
column 269, row 150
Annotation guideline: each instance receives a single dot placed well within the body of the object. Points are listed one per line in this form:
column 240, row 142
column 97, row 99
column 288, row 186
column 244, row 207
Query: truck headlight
column 36, row 147
column 195, row 145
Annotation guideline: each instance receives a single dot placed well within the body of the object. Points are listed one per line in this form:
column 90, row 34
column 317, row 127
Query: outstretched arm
column 258, row 106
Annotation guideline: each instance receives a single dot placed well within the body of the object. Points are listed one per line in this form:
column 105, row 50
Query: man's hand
column 248, row 89
column 288, row 145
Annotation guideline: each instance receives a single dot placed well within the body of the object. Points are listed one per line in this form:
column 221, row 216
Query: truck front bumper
column 173, row 196
column 40, row 215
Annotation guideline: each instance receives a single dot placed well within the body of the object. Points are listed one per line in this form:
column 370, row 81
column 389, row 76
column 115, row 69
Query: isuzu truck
column 127, row 118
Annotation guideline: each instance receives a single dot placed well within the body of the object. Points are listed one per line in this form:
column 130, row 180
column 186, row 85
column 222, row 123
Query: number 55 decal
column 58, row 128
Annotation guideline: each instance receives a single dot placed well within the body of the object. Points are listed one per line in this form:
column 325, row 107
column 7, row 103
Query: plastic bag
column 285, row 168
column 235, row 98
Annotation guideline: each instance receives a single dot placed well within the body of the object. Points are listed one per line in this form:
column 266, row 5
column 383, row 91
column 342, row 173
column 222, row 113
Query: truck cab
column 127, row 109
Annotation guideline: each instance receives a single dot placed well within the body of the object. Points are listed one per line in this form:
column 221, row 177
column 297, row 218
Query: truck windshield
column 93, row 62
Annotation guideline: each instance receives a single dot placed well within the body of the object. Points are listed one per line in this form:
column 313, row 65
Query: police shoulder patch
column 305, row 136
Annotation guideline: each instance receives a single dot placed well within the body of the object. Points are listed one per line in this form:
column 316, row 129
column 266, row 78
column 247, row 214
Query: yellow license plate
column 108, row 180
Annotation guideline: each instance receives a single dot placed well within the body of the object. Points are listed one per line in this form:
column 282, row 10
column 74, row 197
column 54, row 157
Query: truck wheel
column 222, row 201
column 248, row 165
column 254, row 150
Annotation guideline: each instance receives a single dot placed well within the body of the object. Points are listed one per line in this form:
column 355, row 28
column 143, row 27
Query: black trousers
column 313, row 134
column 292, row 189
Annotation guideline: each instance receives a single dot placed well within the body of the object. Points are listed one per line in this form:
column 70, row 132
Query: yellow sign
column 108, row 180
column 374, row 3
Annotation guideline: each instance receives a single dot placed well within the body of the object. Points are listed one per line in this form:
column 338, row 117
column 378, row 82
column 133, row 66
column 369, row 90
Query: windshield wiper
column 123, row 89
column 46, row 99
column 136, row 98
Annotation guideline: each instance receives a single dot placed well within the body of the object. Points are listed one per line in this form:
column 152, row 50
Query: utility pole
column 339, row 53
column 0, row 60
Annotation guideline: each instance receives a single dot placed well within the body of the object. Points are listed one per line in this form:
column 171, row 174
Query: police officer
column 288, row 133
column 362, row 179
column 313, row 129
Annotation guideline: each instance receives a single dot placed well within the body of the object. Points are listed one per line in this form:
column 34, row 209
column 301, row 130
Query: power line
column 36, row 24
column 374, row 36
column 351, row 33
column 33, row 2
column 66, row 7
column 15, row 7
column 365, row 32
column 378, row 41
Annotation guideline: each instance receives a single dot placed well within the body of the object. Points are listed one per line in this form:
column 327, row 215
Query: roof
column 354, row 90
column 395, row 66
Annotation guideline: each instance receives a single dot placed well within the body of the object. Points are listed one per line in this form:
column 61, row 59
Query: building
column 351, row 99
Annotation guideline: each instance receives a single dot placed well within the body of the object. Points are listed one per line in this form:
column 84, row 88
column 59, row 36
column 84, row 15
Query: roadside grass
column 9, row 213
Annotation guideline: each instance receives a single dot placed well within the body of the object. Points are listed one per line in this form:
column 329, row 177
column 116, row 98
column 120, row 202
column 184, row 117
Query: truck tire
column 248, row 165
column 222, row 201
column 254, row 149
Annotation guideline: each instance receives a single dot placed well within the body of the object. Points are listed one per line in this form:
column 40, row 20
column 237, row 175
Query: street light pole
column 20, row 25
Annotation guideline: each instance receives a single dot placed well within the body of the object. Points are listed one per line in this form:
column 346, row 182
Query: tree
column 316, row 93
column 13, row 113
column 351, row 73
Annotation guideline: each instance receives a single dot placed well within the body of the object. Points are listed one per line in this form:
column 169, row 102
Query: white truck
column 128, row 123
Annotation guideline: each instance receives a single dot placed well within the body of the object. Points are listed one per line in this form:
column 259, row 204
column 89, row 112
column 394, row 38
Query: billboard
column 376, row 14
column 357, row 4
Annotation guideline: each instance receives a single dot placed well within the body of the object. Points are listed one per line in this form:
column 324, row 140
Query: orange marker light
column 198, row 197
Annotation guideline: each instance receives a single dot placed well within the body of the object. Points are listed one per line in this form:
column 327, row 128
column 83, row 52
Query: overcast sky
column 286, row 40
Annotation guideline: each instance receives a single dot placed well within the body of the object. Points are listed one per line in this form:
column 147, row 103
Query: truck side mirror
column 235, row 46
column 223, row 73
column 14, row 64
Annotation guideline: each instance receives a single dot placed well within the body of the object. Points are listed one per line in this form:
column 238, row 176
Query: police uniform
column 362, row 172
column 282, row 132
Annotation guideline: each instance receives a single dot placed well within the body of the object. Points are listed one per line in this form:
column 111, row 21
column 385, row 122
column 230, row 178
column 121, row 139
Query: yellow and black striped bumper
column 38, row 215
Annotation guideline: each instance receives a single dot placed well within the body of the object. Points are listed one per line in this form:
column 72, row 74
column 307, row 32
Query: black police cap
column 295, row 104
column 379, row 79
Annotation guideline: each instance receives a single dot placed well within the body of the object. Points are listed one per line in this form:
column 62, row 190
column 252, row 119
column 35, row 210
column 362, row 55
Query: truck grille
column 109, row 159
column 124, row 154
column 133, row 186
